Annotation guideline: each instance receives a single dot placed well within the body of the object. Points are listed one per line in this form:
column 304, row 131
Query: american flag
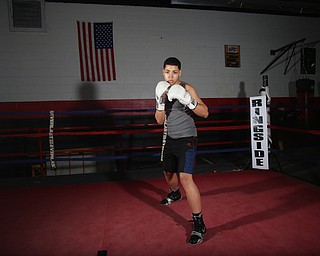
column 95, row 41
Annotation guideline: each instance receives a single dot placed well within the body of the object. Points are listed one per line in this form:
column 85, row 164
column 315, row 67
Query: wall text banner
column 259, row 132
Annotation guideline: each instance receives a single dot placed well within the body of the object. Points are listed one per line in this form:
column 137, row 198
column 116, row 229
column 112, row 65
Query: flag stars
column 103, row 35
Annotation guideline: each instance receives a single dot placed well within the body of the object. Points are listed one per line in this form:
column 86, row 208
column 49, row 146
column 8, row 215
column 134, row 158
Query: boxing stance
column 177, row 103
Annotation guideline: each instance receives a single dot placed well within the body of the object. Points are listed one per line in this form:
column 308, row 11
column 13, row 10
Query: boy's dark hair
column 173, row 61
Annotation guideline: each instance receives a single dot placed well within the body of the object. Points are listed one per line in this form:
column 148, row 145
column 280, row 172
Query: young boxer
column 177, row 103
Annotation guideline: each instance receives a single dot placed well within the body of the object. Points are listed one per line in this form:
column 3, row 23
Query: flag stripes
column 96, row 53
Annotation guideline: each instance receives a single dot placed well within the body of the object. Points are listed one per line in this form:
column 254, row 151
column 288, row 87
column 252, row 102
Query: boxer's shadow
column 96, row 115
column 87, row 114
column 141, row 191
column 288, row 204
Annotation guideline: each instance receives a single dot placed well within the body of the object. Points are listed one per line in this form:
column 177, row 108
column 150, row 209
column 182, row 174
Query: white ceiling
column 281, row 7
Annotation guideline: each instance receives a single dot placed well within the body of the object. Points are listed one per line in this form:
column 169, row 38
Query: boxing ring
column 78, row 142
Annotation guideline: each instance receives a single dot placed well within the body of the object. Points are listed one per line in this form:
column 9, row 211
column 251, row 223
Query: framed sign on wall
column 232, row 56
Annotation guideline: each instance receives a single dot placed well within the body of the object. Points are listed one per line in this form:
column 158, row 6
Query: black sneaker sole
column 200, row 239
column 168, row 201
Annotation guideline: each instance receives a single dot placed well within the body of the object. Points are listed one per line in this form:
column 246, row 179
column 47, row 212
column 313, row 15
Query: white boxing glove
column 161, row 94
column 178, row 92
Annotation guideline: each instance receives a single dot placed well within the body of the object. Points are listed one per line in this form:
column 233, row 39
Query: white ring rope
column 51, row 141
column 164, row 137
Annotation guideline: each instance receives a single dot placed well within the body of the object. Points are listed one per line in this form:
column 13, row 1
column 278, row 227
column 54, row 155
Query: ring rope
column 63, row 132
column 122, row 157
column 51, row 141
column 142, row 131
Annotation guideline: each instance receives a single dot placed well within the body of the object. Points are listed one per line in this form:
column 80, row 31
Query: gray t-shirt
column 180, row 120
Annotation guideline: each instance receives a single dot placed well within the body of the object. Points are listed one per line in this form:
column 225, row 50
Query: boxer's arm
column 189, row 97
column 161, row 97
column 160, row 94
column 201, row 109
column 159, row 116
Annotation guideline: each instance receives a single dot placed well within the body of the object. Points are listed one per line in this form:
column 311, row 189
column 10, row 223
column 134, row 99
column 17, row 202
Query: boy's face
column 171, row 74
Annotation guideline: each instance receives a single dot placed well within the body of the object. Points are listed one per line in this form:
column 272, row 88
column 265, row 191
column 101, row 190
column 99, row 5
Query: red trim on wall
column 43, row 106
column 130, row 104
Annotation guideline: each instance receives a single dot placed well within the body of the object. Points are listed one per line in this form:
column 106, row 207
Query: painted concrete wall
column 45, row 66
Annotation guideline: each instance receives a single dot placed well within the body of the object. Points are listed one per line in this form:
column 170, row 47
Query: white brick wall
column 45, row 66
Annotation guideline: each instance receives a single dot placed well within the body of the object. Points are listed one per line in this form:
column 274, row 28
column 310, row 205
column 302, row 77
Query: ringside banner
column 259, row 132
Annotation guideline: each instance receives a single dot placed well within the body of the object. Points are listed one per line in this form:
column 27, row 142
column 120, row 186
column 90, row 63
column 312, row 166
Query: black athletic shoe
column 173, row 196
column 198, row 232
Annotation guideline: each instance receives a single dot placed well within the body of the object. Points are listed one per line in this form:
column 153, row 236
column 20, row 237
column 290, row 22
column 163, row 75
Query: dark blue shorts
column 180, row 154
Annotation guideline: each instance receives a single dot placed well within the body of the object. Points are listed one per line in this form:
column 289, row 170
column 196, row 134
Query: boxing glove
column 161, row 94
column 178, row 92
